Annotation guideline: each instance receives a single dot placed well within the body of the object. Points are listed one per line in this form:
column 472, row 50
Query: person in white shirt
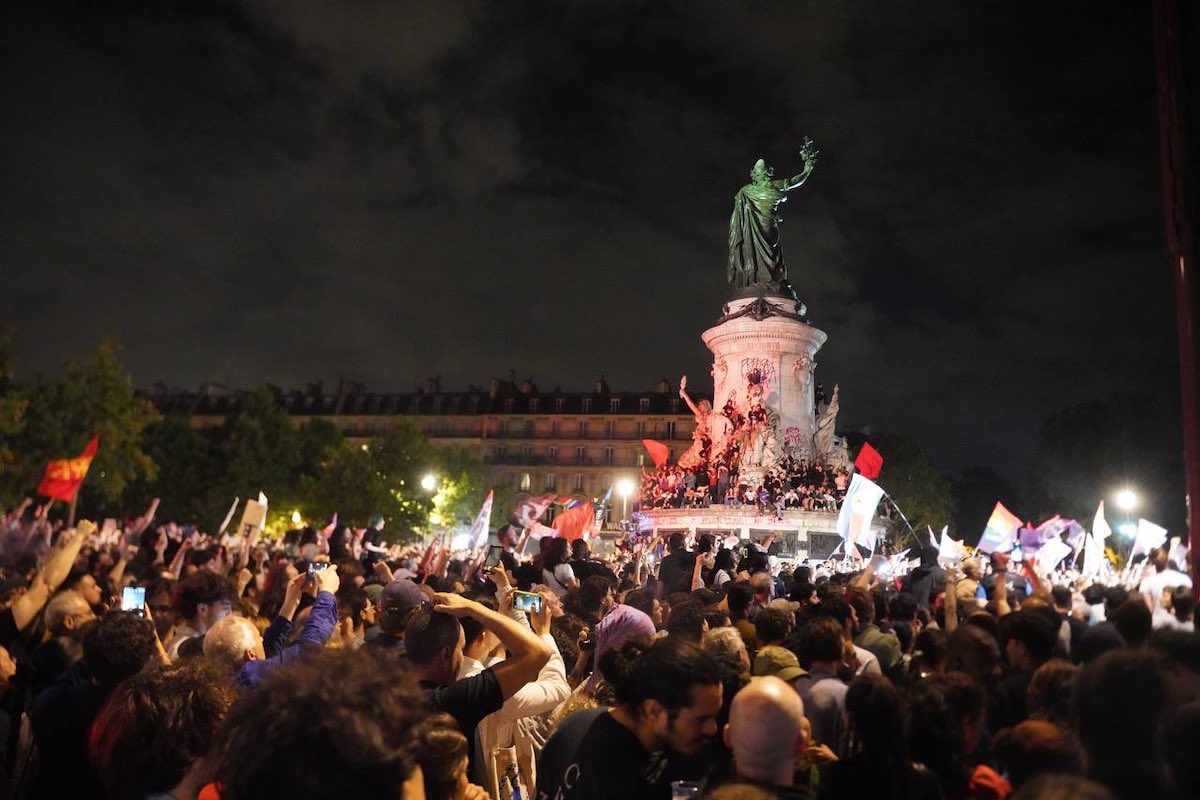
column 1164, row 578
column 517, row 722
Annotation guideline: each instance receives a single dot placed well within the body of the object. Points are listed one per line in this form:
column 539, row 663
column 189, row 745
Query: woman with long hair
column 877, row 763
column 556, row 572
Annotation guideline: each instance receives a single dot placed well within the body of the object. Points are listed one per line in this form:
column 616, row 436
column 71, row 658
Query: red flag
column 529, row 510
column 63, row 477
column 869, row 462
column 658, row 451
column 575, row 522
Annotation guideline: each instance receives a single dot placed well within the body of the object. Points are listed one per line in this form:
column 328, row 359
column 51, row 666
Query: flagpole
column 71, row 510
column 896, row 508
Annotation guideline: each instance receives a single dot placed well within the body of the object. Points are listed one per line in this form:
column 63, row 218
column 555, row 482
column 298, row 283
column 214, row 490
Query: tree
column 380, row 477
column 12, row 418
column 975, row 493
column 1087, row 451
column 914, row 482
column 60, row 416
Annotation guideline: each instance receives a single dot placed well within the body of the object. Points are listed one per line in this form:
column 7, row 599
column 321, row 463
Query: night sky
column 283, row 192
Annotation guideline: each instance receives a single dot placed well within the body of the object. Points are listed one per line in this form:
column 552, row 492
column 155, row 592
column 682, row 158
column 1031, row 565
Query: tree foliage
column 914, row 482
column 59, row 416
column 1087, row 451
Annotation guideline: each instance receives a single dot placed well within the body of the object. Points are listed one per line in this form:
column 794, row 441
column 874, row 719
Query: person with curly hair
column 154, row 734
column 340, row 723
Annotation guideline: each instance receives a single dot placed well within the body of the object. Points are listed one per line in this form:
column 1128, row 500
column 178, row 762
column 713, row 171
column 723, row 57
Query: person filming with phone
column 235, row 641
column 434, row 640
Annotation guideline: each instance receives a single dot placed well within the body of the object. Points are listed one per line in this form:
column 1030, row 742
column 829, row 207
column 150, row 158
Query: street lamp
column 624, row 488
column 1127, row 499
column 429, row 482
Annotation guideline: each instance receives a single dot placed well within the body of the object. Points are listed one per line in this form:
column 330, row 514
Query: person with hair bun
column 668, row 695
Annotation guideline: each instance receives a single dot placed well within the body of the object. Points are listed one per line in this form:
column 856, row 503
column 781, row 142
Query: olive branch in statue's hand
column 808, row 152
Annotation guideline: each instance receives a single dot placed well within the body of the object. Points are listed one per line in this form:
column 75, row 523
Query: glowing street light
column 1127, row 499
column 296, row 518
column 625, row 489
column 429, row 482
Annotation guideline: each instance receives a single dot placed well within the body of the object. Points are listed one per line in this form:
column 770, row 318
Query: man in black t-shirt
column 678, row 566
column 434, row 642
column 668, row 697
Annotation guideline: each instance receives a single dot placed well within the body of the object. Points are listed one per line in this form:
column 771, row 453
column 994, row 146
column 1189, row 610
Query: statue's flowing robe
column 754, row 253
column 823, row 438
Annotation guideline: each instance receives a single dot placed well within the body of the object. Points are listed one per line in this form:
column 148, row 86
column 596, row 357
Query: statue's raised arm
column 755, row 255
column 686, row 397
column 809, row 154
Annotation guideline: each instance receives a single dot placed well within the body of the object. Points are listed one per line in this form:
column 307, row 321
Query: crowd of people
column 791, row 483
column 334, row 662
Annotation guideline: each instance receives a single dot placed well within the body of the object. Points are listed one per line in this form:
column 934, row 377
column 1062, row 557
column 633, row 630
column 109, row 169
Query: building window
column 577, row 484
column 508, row 405
column 670, row 430
column 610, row 429
column 552, row 454
column 614, row 405
column 526, row 450
column 529, row 429
column 526, row 481
column 674, row 405
column 500, row 451
column 474, row 405
column 608, row 455
column 582, row 430
column 644, row 405
column 587, row 405
column 504, row 428
column 533, row 404
column 437, row 404
column 641, row 429
column 580, row 455
column 554, row 429
column 560, row 403
column 641, row 459
column 551, row 482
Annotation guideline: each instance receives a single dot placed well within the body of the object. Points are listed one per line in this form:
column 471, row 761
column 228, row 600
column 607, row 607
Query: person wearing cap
column 968, row 586
column 396, row 604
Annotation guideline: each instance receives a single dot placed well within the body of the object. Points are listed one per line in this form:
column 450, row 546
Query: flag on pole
column 869, row 461
column 858, row 509
column 602, row 508
column 229, row 517
column 575, row 522
column 950, row 551
column 1100, row 529
column 1000, row 532
column 658, row 451
column 64, row 476
column 1051, row 553
column 1149, row 536
column 477, row 535
column 530, row 509
column 1093, row 556
column 1179, row 553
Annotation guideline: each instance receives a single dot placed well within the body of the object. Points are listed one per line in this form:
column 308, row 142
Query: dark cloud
column 283, row 191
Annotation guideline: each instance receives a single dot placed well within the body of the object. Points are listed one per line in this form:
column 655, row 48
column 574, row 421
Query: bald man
column 765, row 732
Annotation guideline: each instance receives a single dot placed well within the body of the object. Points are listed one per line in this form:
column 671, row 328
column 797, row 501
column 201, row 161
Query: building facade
column 572, row 443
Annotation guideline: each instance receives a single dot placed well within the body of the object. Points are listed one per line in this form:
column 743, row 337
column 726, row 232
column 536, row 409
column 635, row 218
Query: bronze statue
column 755, row 257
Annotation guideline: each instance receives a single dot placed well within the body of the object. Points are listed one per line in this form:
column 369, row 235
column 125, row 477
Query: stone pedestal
column 765, row 334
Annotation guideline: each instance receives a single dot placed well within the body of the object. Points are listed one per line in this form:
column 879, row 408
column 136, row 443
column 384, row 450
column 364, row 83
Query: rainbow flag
column 1001, row 531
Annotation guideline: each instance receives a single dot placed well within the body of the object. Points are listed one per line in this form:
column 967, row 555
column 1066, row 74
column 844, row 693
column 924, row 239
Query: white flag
column 477, row 535
column 1100, row 527
column 858, row 509
column 1093, row 555
column 1051, row 553
column 950, row 551
column 1149, row 536
column 1179, row 553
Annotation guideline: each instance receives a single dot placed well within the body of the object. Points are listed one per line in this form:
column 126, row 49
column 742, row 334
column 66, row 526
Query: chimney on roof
column 601, row 385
